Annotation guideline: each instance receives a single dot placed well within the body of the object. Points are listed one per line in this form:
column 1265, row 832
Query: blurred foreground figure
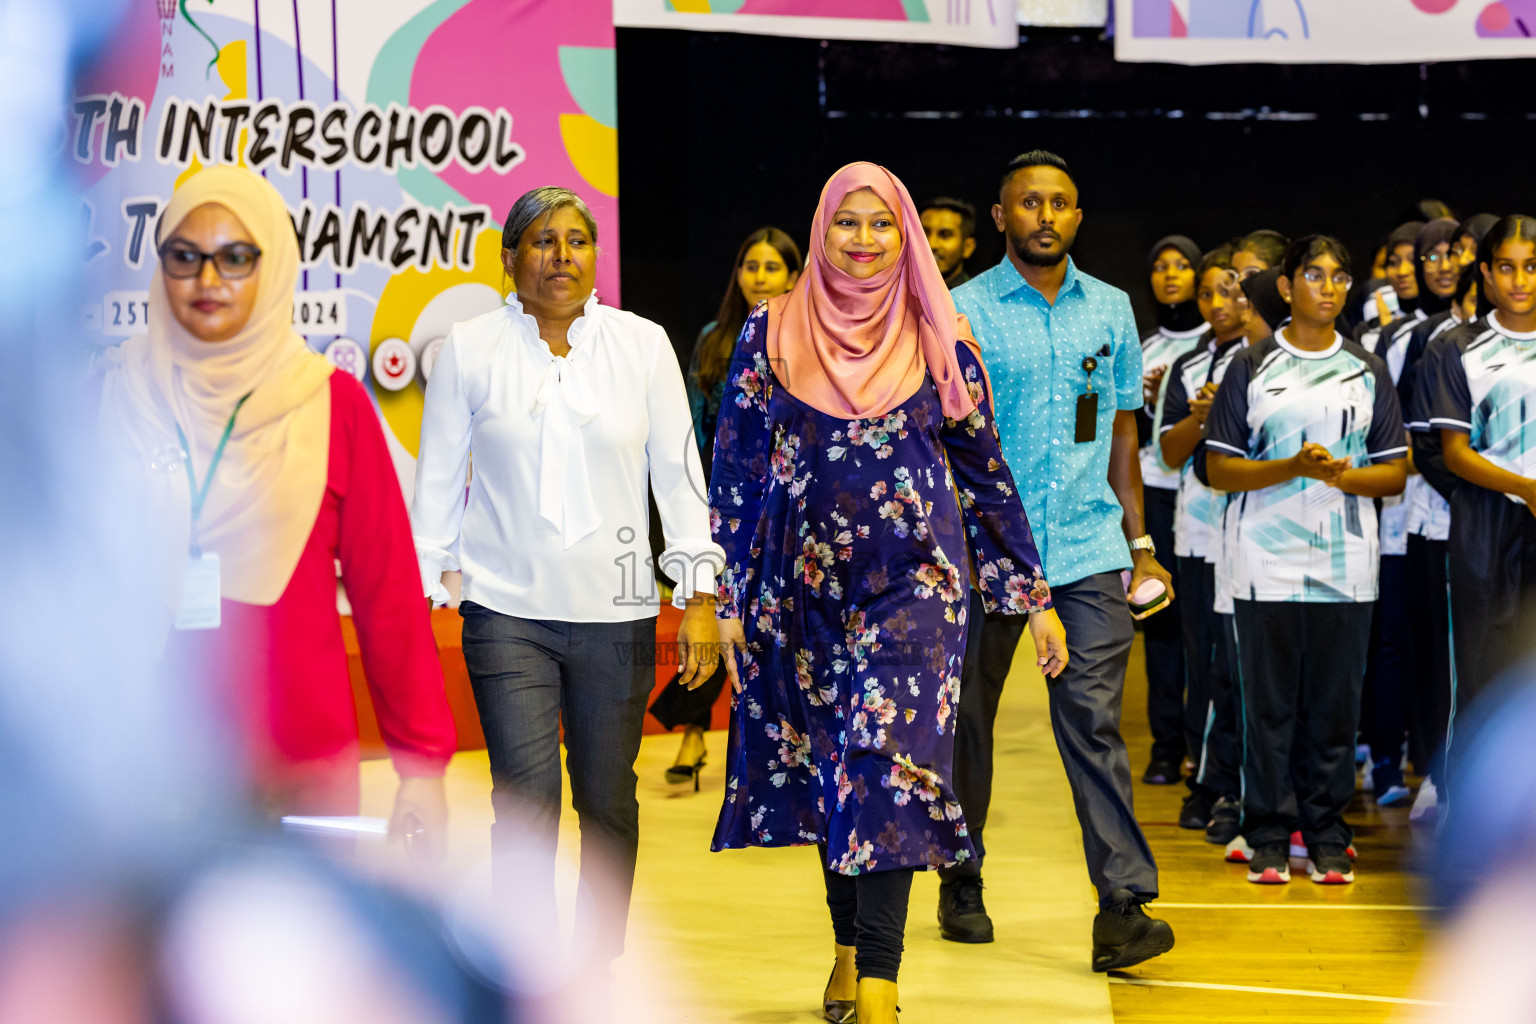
column 265, row 468
column 128, row 893
column 1483, row 873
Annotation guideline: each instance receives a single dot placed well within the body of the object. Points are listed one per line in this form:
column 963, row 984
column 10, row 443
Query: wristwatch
column 1144, row 543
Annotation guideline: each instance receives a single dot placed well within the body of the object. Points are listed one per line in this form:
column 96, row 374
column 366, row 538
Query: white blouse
column 556, row 525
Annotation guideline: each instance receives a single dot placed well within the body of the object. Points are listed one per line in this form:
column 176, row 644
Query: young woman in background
column 767, row 265
column 1180, row 326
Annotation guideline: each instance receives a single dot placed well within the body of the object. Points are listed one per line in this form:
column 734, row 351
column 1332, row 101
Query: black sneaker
column 962, row 914
column 1329, row 864
column 1161, row 773
column 1271, row 864
column 1123, row 934
column 1226, row 821
column 1196, row 812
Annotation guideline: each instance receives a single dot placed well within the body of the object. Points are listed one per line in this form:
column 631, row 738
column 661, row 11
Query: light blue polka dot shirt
column 1034, row 353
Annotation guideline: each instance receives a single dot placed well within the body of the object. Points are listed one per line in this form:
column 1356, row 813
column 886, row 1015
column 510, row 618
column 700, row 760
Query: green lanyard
column 200, row 494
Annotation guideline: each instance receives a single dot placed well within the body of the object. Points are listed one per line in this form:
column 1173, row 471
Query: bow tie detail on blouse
column 566, row 403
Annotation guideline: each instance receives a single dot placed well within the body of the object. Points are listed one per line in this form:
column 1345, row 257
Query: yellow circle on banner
column 402, row 301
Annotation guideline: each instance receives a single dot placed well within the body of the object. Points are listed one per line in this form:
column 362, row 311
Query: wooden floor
column 742, row 936
column 1362, row 941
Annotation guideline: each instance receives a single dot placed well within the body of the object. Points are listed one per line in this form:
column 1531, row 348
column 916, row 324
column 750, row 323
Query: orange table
column 447, row 629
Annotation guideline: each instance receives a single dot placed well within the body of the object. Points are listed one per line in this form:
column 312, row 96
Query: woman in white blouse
column 570, row 408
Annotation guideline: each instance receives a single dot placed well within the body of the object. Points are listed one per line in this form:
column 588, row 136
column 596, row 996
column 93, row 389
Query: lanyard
column 200, row 494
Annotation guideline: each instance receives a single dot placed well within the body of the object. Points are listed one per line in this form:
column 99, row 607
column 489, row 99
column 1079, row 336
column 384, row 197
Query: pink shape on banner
column 1176, row 29
column 1435, row 6
column 505, row 53
column 872, row 10
column 1511, row 19
column 130, row 65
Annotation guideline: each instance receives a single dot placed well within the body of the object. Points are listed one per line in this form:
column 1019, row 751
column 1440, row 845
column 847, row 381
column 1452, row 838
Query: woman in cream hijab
column 264, row 469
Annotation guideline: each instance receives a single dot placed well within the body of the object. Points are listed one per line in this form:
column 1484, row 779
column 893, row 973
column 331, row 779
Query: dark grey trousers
column 528, row 675
column 1085, row 716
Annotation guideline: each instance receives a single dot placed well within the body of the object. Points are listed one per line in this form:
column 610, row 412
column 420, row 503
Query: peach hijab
column 270, row 484
column 861, row 348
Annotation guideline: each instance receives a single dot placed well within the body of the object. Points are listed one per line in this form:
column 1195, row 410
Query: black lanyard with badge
column 200, row 592
column 1088, row 404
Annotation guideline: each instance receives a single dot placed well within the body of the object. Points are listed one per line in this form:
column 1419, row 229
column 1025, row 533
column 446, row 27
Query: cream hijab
column 266, row 492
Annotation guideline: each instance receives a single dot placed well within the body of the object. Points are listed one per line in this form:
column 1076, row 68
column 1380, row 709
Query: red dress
column 279, row 672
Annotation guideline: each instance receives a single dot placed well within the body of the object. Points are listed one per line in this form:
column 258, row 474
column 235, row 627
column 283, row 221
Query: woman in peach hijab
column 264, row 469
column 858, row 489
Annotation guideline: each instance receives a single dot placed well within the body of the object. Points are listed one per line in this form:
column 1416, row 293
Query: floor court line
column 1166, row 905
column 1208, row 986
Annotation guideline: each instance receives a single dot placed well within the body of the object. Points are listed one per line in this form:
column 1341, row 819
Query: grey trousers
column 1085, row 715
column 528, row 675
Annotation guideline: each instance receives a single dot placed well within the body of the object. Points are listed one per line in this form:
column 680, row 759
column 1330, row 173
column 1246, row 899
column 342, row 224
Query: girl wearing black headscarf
column 1385, row 720
column 1171, row 265
column 1401, row 275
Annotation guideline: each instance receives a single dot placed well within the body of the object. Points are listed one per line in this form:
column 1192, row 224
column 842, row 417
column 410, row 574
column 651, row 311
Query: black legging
column 869, row 911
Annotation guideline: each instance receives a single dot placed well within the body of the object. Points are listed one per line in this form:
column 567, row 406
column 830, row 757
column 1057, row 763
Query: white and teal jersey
column 1393, row 349
column 1198, row 512
column 1162, row 348
column 1483, row 383
column 1304, row 540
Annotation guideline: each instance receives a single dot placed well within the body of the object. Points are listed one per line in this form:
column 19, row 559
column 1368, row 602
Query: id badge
column 1087, row 418
column 200, row 593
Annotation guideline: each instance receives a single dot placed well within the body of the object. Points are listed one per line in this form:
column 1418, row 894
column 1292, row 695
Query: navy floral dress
column 849, row 552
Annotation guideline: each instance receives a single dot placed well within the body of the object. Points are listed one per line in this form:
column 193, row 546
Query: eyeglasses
column 1434, row 259
column 1315, row 277
column 233, row 262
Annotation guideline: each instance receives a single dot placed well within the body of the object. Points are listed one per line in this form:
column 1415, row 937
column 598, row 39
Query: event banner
column 1064, row 13
column 991, row 23
column 1322, row 31
column 398, row 131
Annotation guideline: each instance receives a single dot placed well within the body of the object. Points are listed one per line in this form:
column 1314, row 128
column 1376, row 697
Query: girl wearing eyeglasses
column 266, row 469
column 1385, row 721
column 1482, row 381
column 1306, row 431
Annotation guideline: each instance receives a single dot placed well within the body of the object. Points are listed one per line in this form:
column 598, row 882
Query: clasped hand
column 1317, row 463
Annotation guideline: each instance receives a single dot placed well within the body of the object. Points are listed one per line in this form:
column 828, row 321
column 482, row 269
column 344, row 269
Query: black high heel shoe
column 838, row 1011
column 680, row 774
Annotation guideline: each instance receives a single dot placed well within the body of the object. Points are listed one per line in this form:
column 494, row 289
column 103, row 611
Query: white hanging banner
column 1064, row 13
column 990, row 23
column 1322, row 31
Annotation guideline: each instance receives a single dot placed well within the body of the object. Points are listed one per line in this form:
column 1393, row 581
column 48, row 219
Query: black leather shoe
column 962, row 914
column 1162, row 773
column 1123, row 934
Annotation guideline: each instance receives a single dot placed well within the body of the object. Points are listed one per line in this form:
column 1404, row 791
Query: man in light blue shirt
column 1064, row 357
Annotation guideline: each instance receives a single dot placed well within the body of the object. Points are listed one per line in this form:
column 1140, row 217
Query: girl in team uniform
column 1482, row 381
column 1428, row 528
column 1209, row 715
column 1180, row 326
column 1306, row 431
column 1385, row 721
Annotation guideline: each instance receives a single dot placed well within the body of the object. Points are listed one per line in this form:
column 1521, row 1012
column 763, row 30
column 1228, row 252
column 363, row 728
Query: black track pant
column 869, row 911
column 1301, row 667
column 1210, row 709
column 1493, row 589
column 1384, row 703
column 1164, row 638
column 1429, row 647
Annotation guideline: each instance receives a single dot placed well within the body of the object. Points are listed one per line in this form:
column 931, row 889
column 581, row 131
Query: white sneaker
column 1239, row 852
column 1426, row 805
column 1393, row 796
